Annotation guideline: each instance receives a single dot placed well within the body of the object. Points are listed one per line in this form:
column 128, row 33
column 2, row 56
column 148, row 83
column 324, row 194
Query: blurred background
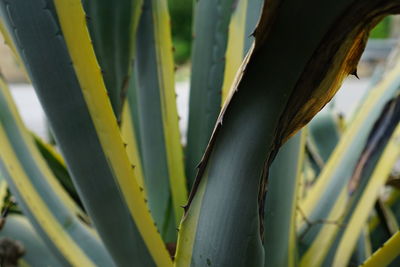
column 382, row 40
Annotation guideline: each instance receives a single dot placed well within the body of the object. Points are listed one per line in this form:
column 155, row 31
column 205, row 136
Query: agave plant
column 263, row 192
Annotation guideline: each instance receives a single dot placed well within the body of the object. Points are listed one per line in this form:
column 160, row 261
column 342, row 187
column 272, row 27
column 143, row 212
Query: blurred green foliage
column 382, row 30
column 181, row 12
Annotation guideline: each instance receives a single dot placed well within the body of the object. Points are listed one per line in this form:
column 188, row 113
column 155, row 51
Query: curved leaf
column 357, row 197
column 280, row 204
column 113, row 32
column 58, row 167
column 211, row 22
column 76, row 103
column 36, row 253
column 243, row 22
column 278, row 92
column 161, row 150
column 386, row 254
column 42, row 200
column 324, row 133
column 363, row 202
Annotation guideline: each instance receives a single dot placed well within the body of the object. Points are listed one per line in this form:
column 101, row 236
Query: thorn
column 177, row 229
column 199, row 165
column 355, row 73
column 133, row 166
column 145, row 200
column 88, row 18
column 141, row 189
column 185, row 209
column 173, row 49
column 175, row 68
column 125, row 145
column 253, row 34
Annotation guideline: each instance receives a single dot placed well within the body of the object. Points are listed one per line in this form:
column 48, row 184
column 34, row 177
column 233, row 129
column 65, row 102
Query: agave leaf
column 253, row 13
column 42, row 200
column 319, row 238
column 161, row 151
column 8, row 41
column 242, row 25
column 363, row 198
column 3, row 193
column 211, row 22
column 315, row 159
column 394, row 203
column 131, row 108
column 324, row 133
column 58, row 167
column 55, row 39
column 62, row 185
column 128, row 132
column 388, row 226
column 308, row 175
column 280, row 204
column 386, row 216
column 36, row 253
column 244, row 16
column 382, row 225
column 235, row 47
column 386, row 254
column 277, row 93
column 113, row 32
column 351, row 144
column 362, row 250
column 381, row 221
